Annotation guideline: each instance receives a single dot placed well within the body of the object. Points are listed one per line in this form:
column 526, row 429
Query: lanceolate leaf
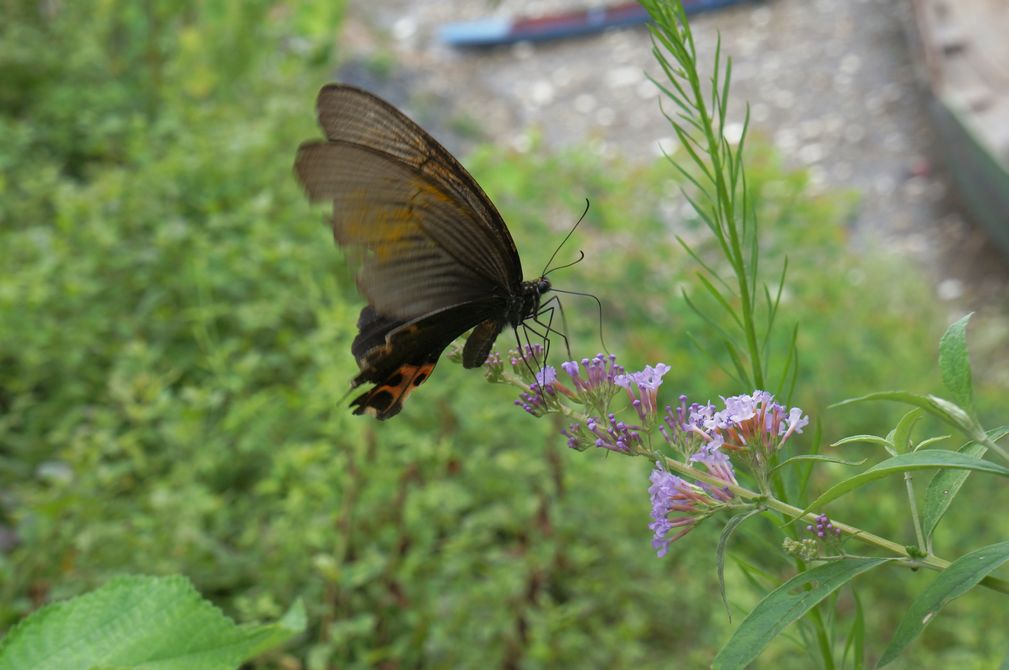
column 954, row 363
column 816, row 457
column 938, row 407
column 154, row 623
column 786, row 604
column 871, row 439
column 946, row 483
column 919, row 460
column 723, row 543
column 961, row 576
column 902, row 432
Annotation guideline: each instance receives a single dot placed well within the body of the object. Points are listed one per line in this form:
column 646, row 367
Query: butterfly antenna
column 599, row 306
column 566, row 238
column 581, row 257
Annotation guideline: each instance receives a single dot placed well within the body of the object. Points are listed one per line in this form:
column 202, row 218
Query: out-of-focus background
column 175, row 320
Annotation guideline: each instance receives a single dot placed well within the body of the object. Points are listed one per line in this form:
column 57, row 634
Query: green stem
column 990, row 443
column 724, row 211
column 915, row 517
column 930, row 561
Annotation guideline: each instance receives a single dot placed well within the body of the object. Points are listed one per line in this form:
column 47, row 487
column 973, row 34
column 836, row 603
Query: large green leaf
column 147, row 623
column 919, row 460
column 961, row 576
column 954, row 363
column 946, row 484
column 941, row 408
column 786, row 604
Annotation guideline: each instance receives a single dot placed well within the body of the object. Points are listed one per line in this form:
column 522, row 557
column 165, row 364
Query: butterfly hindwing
column 398, row 356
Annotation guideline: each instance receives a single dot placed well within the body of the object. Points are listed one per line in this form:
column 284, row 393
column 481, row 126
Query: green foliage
column 140, row 622
column 961, row 576
column 783, row 606
column 946, row 484
column 955, row 364
column 919, row 460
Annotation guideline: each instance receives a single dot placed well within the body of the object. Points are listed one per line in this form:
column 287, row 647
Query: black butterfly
column 437, row 258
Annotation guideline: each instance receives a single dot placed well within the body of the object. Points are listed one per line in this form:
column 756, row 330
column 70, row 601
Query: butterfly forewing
column 458, row 215
column 409, row 232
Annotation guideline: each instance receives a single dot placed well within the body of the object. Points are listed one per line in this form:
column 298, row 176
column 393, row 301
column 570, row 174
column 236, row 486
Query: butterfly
column 436, row 259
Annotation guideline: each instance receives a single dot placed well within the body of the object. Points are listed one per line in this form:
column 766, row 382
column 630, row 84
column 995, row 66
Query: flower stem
column 915, row 517
column 930, row 560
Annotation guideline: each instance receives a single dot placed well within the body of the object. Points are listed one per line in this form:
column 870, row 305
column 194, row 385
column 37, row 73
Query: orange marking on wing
column 386, row 399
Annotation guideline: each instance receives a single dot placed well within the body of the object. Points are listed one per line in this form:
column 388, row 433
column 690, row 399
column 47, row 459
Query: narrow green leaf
column 870, row 439
column 961, row 576
column 725, row 369
column 772, row 305
column 902, row 432
column 158, row 623
column 723, row 542
column 737, row 363
column 665, row 91
column 816, row 457
column 704, row 317
column 919, row 460
column 790, row 368
column 855, row 644
column 930, row 441
column 784, row 605
column 806, row 473
column 794, row 356
column 945, row 485
column 723, row 111
column 934, row 405
column 697, row 259
column 720, row 299
column 954, row 363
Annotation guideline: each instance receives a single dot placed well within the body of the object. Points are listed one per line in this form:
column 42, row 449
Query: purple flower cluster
column 646, row 384
column 684, row 427
column 529, row 356
column 612, row 435
column 594, row 380
column 754, row 425
column 676, row 504
column 717, row 463
column 494, row 367
column 755, row 421
column 823, row 528
column 542, row 394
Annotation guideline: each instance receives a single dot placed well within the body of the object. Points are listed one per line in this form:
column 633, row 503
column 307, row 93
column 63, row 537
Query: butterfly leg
column 548, row 307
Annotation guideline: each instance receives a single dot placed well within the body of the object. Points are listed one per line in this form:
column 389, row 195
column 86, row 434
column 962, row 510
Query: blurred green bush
column 174, row 346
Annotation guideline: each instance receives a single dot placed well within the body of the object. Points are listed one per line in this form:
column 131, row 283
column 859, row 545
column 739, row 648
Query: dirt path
column 830, row 81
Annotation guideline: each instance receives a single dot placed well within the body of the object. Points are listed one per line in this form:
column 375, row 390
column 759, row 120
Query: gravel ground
column 831, row 82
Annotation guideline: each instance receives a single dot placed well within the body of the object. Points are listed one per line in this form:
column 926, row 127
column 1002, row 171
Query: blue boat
column 496, row 32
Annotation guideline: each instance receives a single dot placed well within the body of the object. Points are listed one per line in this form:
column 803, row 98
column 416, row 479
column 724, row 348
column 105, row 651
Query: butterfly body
column 436, row 259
